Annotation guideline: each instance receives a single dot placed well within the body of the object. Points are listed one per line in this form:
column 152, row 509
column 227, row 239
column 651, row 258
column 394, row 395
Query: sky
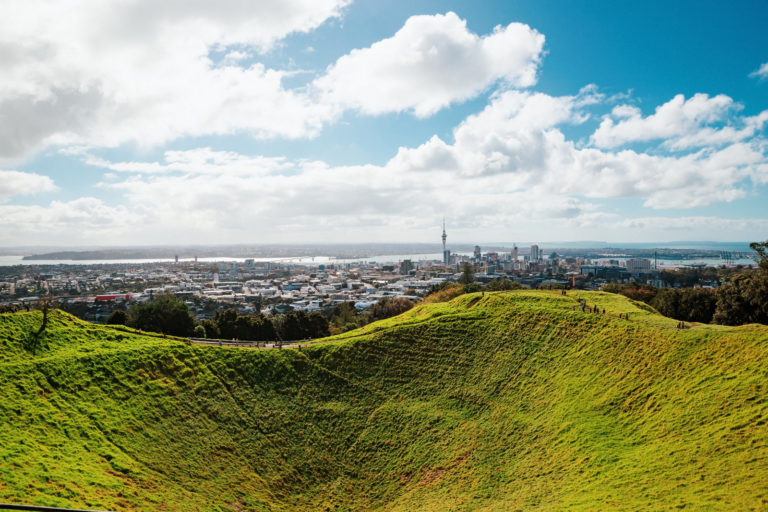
column 137, row 122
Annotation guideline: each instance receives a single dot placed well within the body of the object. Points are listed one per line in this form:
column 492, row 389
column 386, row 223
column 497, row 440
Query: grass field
column 502, row 401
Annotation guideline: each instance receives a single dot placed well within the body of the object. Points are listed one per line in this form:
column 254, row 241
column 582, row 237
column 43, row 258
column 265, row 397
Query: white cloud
column 734, row 229
column 509, row 173
column 234, row 57
column 198, row 161
column 761, row 72
column 431, row 62
column 86, row 219
column 509, row 164
column 15, row 183
column 85, row 73
column 96, row 73
column 515, row 145
column 675, row 119
column 707, row 136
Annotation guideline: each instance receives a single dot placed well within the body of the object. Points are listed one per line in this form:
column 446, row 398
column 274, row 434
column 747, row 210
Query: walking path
column 298, row 344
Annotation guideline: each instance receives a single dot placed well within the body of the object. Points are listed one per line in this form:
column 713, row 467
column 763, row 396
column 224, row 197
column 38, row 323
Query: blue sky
column 363, row 121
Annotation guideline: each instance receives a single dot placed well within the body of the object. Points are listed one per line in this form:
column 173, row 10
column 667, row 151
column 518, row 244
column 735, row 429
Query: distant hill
column 502, row 401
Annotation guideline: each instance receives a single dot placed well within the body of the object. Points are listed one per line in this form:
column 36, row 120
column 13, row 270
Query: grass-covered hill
column 503, row 401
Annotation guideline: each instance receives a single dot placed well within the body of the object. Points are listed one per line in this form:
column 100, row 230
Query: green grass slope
column 503, row 401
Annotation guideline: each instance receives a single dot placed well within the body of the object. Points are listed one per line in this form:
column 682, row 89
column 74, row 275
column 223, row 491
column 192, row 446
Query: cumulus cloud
column 83, row 71
column 86, row 219
column 508, row 163
column 198, row 161
column 517, row 142
column 15, row 183
column 431, row 62
column 761, row 72
column 737, row 228
column 676, row 118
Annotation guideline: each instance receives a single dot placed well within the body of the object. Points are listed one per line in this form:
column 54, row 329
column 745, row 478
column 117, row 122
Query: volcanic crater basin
column 497, row 401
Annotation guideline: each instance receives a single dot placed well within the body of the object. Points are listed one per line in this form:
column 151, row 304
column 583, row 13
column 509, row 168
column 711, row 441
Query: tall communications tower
column 446, row 252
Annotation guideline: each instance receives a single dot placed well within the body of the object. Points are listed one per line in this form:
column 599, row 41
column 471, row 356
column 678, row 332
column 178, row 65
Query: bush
column 635, row 291
column 445, row 294
column 744, row 300
column 688, row 304
column 389, row 307
column 165, row 314
column 501, row 284
column 117, row 317
column 211, row 329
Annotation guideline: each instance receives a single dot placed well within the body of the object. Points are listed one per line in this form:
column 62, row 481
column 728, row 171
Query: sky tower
column 446, row 252
column 444, row 235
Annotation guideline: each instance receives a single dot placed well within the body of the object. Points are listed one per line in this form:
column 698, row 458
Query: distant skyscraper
column 478, row 253
column 535, row 253
column 514, row 252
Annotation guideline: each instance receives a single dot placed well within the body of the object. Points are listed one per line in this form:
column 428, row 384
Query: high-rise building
column 638, row 265
column 535, row 253
column 514, row 252
column 478, row 253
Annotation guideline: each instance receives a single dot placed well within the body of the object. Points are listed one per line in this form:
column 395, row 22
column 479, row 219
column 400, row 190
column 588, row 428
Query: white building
column 638, row 265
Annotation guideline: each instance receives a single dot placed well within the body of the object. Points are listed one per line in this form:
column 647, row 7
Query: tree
column 761, row 248
column 318, row 326
column 697, row 305
column 440, row 287
column 211, row 329
column 389, row 307
column 667, row 302
column 289, row 327
column 226, row 323
column 502, row 284
column 45, row 305
column 344, row 316
column 635, row 291
column 688, row 304
column 467, row 275
column 117, row 317
column 263, row 328
column 165, row 314
column 199, row 331
column 473, row 287
column 744, row 300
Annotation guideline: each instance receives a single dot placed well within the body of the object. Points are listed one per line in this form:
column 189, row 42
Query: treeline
column 230, row 324
column 345, row 317
column 167, row 314
column 742, row 301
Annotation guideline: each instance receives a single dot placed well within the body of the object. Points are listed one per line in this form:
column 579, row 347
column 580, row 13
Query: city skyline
column 351, row 121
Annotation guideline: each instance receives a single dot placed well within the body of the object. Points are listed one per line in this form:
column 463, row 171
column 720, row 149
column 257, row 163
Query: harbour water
column 9, row 260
